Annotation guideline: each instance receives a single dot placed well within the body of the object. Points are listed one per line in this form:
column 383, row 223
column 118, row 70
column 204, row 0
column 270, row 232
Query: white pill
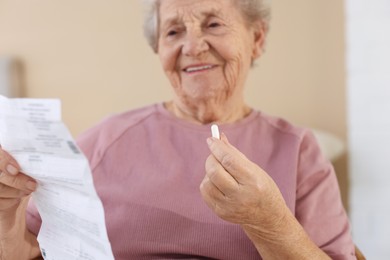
column 215, row 131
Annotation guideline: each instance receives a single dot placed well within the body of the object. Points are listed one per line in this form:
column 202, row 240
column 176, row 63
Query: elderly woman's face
column 206, row 49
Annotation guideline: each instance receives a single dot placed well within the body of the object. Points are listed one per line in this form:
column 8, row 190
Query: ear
column 259, row 34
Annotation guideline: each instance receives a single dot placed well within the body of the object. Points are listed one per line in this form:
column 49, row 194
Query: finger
column 211, row 195
column 234, row 162
column 10, row 207
column 8, row 164
column 11, row 193
column 212, row 191
column 20, row 182
column 219, row 177
column 8, row 203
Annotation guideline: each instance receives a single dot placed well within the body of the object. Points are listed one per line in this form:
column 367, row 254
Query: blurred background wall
column 92, row 55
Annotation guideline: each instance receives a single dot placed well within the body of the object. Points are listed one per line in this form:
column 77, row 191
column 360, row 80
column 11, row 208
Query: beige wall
column 93, row 56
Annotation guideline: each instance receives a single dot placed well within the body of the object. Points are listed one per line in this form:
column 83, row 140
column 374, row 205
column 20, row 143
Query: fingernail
column 12, row 169
column 209, row 141
column 31, row 185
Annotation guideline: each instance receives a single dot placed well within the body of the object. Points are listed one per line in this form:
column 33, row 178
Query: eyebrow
column 176, row 20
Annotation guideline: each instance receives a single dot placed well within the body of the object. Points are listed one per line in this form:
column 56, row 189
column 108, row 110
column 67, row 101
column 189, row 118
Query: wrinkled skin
column 206, row 49
column 15, row 189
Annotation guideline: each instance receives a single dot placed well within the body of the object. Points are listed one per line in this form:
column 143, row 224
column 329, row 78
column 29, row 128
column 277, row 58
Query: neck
column 208, row 113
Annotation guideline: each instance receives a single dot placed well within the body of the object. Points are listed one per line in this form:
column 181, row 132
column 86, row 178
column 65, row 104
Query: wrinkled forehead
column 172, row 11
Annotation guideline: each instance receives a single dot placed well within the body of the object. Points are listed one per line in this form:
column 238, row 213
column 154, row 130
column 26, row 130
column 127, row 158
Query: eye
column 214, row 25
column 171, row 33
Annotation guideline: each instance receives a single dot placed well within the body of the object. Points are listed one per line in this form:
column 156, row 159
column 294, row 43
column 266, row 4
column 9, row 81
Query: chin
column 206, row 95
column 204, row 88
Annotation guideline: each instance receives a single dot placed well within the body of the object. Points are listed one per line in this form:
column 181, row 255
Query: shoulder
column 96, row 140
column 299, row 141
column 117, row 123
column 305, row 138
column 279, row 127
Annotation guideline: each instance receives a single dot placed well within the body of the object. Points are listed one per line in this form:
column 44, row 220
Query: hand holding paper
column 73, row 225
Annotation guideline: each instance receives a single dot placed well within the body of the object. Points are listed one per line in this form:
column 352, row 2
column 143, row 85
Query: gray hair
column 252, row 10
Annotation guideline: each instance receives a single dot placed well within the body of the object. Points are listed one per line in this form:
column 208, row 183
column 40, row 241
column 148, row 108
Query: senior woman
column 262, row 191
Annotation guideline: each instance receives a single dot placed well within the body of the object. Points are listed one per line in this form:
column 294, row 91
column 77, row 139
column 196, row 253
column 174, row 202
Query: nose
column 194, row 43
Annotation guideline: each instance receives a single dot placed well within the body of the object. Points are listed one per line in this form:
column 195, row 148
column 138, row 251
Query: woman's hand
column 239, row 191
column 15, row 187
column 16, row 242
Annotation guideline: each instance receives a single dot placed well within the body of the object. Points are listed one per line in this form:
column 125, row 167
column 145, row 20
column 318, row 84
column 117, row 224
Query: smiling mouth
column 199, row 68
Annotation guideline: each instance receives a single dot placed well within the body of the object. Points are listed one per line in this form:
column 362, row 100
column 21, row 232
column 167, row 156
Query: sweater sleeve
column 319, row 207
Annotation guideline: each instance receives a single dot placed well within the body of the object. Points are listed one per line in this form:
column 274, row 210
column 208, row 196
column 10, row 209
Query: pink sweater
column 148, row 165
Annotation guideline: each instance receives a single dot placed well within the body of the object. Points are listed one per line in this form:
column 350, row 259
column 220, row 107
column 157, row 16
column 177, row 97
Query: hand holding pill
column 238, row 190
